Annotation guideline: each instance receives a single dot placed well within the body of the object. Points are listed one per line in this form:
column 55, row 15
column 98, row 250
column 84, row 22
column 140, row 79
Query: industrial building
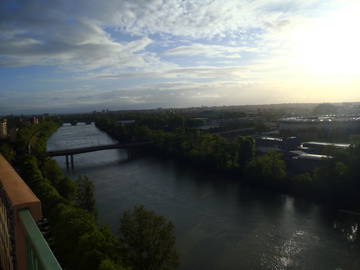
column 350, row 123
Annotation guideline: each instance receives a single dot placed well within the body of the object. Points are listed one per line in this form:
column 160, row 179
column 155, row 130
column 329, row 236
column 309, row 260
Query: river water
column 219, row 224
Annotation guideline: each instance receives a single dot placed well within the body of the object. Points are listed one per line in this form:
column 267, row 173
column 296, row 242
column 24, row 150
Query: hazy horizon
column 64, row 56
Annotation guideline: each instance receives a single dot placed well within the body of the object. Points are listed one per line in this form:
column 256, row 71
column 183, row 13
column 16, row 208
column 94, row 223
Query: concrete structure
column 21, row 242
column 321, row 147
column 300, row 162
column 265, row 143
column 3, row 129
column 18, row 196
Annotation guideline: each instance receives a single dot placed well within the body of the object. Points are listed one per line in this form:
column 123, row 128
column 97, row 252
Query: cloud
column 196, row 19
column 197, row 49
column 210, row 73
column 84, row 45
column 47, row 33
column 76, row 33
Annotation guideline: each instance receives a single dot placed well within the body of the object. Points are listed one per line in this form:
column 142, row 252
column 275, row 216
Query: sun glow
column 331, row 46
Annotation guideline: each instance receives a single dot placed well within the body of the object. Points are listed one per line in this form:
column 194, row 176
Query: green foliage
column 247, row 149
column 40, row 185
column 71, row 224
column 79, row 240
column 148, row 240
column 67, row 188
column 338, row 181
column 89, row 245
column 85, row 197
column 172, row 139
column 52, row 171
column 96, row 246
column 7, row 151
column 32, row 139
column 302, row 183
column 110, row 265
column 355, row 139
column 268, row 169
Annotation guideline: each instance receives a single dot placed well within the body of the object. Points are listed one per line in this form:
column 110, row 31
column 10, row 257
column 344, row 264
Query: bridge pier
column 72, row 161
column 69, row 161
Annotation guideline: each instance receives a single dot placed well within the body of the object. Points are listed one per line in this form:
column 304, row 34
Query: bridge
column 71, row 152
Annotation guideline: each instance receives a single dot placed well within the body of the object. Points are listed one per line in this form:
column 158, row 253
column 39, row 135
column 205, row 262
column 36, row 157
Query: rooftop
column 303, row 155
column 337, row 145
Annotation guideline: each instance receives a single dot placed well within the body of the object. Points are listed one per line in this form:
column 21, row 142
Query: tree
column 268, row 169
column 67, row 188
column 148, row 240
column 7, row 151
column 110, row 265
column 302, row 184
column 85, row 194
column 52, row 171
column 246, row 148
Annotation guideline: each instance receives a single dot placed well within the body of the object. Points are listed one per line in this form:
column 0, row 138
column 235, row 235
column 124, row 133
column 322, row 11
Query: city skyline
column 88, row 55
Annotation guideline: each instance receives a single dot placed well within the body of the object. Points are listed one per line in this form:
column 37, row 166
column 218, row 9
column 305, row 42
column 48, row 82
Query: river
column 219, row 224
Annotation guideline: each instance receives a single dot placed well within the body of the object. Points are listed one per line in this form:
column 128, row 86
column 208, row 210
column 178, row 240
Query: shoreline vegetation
column 76, row 238
column 335, row 183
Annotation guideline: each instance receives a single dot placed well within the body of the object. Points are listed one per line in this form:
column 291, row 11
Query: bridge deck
column 65, row 152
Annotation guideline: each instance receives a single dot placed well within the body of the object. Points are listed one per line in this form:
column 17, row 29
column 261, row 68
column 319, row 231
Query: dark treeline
column 75, row 236
column 337, row 182
column 174, row 138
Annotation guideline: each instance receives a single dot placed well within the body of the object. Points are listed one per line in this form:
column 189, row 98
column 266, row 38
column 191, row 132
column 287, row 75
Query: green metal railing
column 39, row 254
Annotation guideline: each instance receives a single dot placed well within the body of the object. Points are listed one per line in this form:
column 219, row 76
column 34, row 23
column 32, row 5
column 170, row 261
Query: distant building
column 324, row 122
column 35, row 120
column 3, row 129
column 300, row 162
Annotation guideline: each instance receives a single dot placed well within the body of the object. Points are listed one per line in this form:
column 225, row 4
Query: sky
column 62, row 56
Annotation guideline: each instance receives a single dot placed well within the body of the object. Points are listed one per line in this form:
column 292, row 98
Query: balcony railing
column 22, row 245
column 38, row 253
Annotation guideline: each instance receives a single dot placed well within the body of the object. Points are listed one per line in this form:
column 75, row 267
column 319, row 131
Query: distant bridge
column 75, row 151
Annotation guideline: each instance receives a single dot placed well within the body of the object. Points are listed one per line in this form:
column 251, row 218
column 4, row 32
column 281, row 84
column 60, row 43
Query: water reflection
column 348, row 224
